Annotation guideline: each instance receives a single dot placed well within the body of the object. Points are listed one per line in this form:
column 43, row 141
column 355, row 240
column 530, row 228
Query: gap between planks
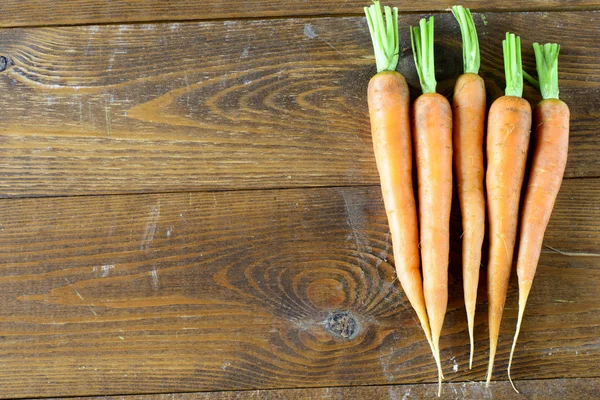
column 274, row 188
column 288, row 389
column 160, row 193
column 298, row 16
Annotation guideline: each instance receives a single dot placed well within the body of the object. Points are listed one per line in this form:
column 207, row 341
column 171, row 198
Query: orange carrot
column 432, row 131
column 509, row 125
column 551, row 121
column 389, row 103
column 469, row 124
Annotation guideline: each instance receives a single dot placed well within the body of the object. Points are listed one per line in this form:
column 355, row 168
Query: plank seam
column 482, row 382
column 292, row 16
column 273, row 188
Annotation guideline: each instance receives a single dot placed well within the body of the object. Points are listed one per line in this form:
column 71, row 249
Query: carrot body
column 549, row 160
column 433, row 146
column 469, row 125
column 551, row 119
column 389, row 106
column 509, row 125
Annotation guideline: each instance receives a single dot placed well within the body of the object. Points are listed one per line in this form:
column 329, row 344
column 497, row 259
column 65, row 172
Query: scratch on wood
column 150, row 228
column 78, row 294
column 106, row 270
column 154, row 275
column 108, row 122
column 309, row 32
column 361, row 245
column 187, row 85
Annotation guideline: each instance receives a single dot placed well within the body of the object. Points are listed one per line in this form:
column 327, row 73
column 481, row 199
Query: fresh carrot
column 551, row 121
column 432, row 131
column 509, row 125
column 389, row 105
column 468, row 106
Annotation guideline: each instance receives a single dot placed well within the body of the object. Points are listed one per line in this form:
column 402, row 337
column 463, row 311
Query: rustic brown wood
column 72, row 12
column 238, row 104
column 546, row 389
column 256, row 290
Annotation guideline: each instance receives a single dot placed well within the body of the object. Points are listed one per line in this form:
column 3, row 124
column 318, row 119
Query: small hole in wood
column 342, row 324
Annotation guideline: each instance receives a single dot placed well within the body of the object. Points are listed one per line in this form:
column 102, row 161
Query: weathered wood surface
column 547, row 389
column 257, row 290
column 239, row 104
column 71, row 12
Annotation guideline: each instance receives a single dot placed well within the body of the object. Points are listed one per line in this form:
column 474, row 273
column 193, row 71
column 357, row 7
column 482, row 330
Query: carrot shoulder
column 468, row 106
column 509, row 125
column 432, row 122
column 551, row 121
column 389, row 105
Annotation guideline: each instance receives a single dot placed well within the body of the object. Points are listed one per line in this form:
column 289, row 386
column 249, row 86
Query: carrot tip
column 471, row 356
column 440, row 377
column 489, row 373
column 471, row 341
column 511, row 382
column 438, row 362
column 517, row 330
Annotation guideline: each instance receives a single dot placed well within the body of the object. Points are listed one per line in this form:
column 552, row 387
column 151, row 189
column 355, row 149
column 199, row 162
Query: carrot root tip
column 511, row 382
column 472, row 342
column 514, row 343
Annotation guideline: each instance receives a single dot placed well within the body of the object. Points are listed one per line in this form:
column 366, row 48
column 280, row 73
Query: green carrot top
column 471, row 57
column 421, row 38
column 546, row 61
column 513, row 67
column 384, row 35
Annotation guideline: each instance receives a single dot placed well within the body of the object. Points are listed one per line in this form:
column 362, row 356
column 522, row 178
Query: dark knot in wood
column 342, row 324
column 3, row 63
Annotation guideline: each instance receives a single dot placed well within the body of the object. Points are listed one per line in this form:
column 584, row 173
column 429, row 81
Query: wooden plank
column 237, row 105
column 546, row 389
column 73, row 12
column 256, row 290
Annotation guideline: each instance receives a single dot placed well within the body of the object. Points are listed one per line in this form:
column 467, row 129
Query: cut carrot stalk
column 389, row 106
column 469, row 125
column 551, row 121
column 509, row 126
column 432, row 131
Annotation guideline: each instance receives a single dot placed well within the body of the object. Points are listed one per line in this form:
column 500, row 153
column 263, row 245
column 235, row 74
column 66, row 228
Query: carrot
column 432, row 131
column 509, row 125
column 551, row 121
column 389, row 104
column 468, row 106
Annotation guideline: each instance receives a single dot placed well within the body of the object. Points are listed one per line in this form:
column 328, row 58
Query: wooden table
column 190, row 204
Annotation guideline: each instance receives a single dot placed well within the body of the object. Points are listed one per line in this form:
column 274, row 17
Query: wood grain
column 547, row 389
column 238, row 104
column 72, row 12
column 257, row 290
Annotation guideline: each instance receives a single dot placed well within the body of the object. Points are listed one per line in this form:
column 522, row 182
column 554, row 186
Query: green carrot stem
column 421, row 38
column 513, row 67
column 532, row 81
column 546, row 61
column 471, row 56
column 384, row 35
